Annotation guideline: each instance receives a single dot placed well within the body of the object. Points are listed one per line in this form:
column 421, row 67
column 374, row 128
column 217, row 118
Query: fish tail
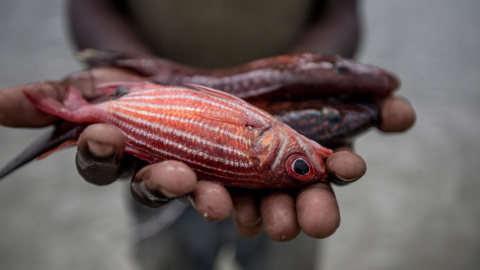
column 74, row 107
column 63, row 135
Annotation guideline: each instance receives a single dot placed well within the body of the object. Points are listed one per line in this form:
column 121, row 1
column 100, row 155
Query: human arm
column 334, row 29
column 102, row 25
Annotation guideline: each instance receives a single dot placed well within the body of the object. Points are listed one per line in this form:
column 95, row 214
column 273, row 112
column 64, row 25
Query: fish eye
column 299, row 167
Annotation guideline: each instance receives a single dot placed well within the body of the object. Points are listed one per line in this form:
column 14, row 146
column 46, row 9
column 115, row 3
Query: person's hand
column 282, row 214
column 13, row 101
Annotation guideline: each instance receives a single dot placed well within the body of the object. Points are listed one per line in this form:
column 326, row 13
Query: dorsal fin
column 240, row 119
column 214, row 92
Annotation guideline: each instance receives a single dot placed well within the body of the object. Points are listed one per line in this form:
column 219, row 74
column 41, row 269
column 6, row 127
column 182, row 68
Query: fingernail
column 100, row 150
column 167, row 193
column 147, row 196
column 342, row 181
column 345, row 167
column 347, row 178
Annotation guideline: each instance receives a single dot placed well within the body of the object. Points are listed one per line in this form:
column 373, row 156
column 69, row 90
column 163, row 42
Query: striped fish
column 221, row 137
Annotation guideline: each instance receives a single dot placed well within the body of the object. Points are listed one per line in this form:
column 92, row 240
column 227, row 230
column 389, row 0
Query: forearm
column 336, row 30
column 99, row 24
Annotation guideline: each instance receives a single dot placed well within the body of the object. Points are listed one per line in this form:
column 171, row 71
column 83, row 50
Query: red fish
column 221, row 137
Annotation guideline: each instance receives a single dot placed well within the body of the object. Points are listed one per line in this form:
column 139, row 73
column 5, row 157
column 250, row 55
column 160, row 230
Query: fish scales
column 221, row 137
column 181, row 130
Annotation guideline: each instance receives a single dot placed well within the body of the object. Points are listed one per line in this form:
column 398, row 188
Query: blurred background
column 418, row 206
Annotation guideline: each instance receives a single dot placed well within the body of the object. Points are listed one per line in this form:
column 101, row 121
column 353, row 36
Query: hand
column 282, row 214
column 12, row 100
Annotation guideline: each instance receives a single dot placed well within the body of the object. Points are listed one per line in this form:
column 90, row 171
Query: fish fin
column 74, row 100
column 63, row 132
column 262, row 93
column 243, row 119
column 100, row 57
column 71, row 110
column 61, row 146
column 141, row 64
column 214, row 92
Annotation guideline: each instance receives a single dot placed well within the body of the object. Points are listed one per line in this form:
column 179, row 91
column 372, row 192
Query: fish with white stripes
column 221, row 137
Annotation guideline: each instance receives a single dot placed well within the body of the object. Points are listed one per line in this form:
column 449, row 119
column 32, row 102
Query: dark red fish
column 287, row 77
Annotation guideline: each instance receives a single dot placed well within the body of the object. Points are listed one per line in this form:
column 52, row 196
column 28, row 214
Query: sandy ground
column 418, row 206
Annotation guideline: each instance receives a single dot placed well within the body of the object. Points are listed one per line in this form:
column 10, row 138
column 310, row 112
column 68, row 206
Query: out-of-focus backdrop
column 418, row 206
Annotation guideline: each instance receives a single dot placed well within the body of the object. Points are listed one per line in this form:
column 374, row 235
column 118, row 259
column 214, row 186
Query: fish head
column 348, row 77
column 290, row 159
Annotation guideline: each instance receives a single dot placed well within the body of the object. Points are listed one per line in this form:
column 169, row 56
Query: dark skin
column 282, row 214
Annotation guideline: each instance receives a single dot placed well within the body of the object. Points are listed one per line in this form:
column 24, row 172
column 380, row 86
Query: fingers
column 156, row 184
column 100, row 151
column 101, row 148
column 317, row 210
column 99, row 156
column 212, row 201
column 246, row 214
column 345, row 167
column 247, row 231
column 12, row 101
column 397, row 115
column 279, row 216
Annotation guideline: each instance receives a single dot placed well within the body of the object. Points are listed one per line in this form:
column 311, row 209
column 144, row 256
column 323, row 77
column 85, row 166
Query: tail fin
column 64, row 134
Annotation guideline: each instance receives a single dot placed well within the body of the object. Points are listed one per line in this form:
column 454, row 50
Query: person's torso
column 219, row 33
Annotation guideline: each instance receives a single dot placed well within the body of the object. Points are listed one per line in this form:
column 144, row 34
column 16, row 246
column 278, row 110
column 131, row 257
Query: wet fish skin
column 223, row 138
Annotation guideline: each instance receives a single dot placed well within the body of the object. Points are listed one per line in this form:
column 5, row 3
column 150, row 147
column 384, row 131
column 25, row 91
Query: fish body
column 221, row 137
column 327, row 98
column 303, row 75
column 330, row 122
